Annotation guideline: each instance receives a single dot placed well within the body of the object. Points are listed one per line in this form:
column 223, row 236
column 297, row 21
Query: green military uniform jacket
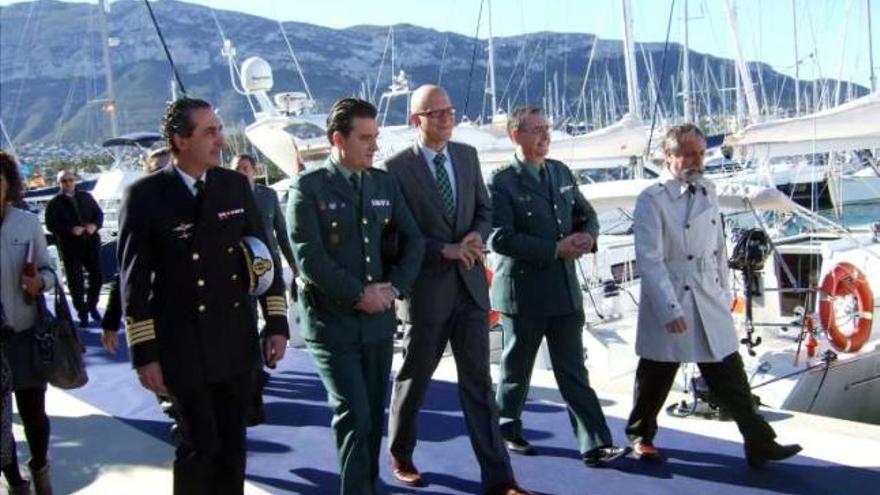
column 337, row 241
column 528, row 219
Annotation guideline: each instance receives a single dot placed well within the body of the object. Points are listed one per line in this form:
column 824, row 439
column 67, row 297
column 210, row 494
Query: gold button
column 200, row 283
column 555, row 207
column 201, row 308
column 234, row 276
column 528, row 213
column 386, row 221
column 237, row 304
column 369, row 278
column 559, row 221
column 366, row 240
column 333, row 224
column 195, row 256
column 368, row 259
column 230, row 250
column 364, row 220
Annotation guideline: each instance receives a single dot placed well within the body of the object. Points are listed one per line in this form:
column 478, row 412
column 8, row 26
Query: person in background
column 21, row 234
column 270, row 210
column 75, row 218
column 157, row 159
column 279, row 243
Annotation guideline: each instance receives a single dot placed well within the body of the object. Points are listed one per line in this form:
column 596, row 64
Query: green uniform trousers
column 356, row 378
column 522, row 337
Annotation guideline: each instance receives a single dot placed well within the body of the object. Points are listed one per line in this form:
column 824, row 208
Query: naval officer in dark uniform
column 541, row 225
column 186, row 291
column 338, row 215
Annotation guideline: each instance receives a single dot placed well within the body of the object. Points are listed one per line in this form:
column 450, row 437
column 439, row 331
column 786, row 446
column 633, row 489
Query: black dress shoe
column 758, row 455
column 603, row 455
column 519, row 445
column 95, row 314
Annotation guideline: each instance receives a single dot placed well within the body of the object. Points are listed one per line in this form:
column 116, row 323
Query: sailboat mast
column 110, row 105
column 797, row 62
column 632, row 94
column 871, row 48
column 743, row 68
column 686, row 70
column 491, row 59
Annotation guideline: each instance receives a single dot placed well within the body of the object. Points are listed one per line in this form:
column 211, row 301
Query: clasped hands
column 574, row 246
column 469, row 251
column 376, row 298
column 88, row 229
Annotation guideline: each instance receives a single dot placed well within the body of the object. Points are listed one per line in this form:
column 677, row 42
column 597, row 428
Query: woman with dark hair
column 21, row 237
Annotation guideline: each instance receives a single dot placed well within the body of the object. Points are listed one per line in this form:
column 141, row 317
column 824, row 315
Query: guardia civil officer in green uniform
column 337, row 216
column 541, row 225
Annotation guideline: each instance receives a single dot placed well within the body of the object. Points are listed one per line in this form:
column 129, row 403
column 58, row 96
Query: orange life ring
column 846, row 280
column 494, row 316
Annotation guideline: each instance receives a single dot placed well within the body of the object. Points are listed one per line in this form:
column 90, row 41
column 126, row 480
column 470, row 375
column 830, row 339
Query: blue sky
column 836, row 31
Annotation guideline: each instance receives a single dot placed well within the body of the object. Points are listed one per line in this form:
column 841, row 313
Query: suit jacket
column 529, row 219
column 184, row 279
column 434, row 293
column 683, row 267
column 273, row 221
column 336, row 239
column 62, row 216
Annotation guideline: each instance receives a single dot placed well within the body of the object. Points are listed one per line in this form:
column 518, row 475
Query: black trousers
column 210, row 459
column 727, row 381
column 77, row 260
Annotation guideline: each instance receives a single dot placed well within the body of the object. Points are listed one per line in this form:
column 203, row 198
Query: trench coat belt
column 696, row 265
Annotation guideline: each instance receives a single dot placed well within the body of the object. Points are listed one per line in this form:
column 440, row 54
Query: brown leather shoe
column 406, row 473
column 510, row 488
column 645, row 451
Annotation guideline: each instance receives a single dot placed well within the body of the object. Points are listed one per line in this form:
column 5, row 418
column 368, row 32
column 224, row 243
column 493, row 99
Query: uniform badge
column 183, row 230
column 378, row 203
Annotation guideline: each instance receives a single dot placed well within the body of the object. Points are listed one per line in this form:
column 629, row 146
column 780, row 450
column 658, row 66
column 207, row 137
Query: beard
column 692, row 175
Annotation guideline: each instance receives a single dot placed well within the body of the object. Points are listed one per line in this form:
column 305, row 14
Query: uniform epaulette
column 503, row 168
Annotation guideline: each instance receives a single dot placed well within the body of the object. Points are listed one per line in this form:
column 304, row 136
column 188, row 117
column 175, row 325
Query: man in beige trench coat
column 684, row 311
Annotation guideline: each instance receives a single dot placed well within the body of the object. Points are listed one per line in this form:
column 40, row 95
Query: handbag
column 58, row 352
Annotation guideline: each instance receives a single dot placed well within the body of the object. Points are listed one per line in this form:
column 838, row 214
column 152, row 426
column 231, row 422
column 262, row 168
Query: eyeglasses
column 544, row 129
column 439, row 113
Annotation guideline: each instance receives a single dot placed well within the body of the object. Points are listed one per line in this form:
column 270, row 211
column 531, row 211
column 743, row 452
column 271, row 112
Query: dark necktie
column 444, row 186
column 200, row 196
column 691, row 193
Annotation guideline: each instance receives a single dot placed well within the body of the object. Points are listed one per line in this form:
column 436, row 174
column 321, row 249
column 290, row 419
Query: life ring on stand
column 494, row 316
column 842, row 281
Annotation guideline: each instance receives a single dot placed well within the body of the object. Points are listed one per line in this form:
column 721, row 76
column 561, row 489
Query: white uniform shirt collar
column 188, row 181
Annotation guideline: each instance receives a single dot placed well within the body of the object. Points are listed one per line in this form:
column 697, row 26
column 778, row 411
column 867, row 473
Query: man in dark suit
column 338, row 215
column 444, row 188
column 542, row 224
column 186, row 292
column 75, row 218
